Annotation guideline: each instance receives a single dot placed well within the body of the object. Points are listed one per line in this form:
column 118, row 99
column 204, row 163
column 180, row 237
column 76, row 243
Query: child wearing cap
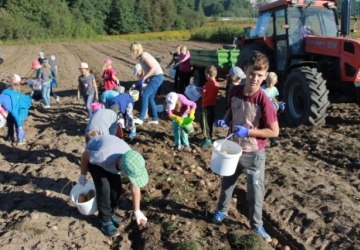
column 178, row 107
column 107, row 157
column 108, row 73
column 123, row 105
column 234, row 78
column 14, row 106
column 87, row 88
column 208, row 103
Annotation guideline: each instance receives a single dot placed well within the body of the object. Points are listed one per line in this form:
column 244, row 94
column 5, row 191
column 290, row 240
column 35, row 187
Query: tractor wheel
column 306, row 97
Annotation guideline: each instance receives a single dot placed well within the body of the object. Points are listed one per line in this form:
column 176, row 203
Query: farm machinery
column 310, row 53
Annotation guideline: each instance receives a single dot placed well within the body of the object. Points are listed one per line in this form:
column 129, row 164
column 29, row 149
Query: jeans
column 254, row 165
column 45, row 92
column 148, row 97
column 88, row 100
column 180, row 135
column 108, row 191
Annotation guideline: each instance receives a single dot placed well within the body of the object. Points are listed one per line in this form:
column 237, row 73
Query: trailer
column 222, row 59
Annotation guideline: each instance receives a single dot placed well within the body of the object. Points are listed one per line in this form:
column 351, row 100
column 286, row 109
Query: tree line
column 57, row 19
column 49, row 19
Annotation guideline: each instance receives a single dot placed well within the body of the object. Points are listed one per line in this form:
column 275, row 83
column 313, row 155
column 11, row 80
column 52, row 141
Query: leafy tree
column 93, row 12
column 121, row 18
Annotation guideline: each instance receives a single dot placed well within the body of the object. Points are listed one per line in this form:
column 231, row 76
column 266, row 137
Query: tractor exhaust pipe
column 345, row 17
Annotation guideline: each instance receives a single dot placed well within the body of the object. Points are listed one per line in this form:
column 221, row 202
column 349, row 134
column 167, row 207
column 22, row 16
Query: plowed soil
column 312, row 177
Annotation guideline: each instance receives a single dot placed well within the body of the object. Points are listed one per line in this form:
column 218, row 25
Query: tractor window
column 263, row 26
column 309, row 21
column 279, row 22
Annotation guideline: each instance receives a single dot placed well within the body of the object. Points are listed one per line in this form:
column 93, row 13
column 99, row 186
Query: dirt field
column 312, row 177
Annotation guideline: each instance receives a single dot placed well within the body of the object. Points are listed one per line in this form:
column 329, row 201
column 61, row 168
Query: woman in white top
column 155, row 76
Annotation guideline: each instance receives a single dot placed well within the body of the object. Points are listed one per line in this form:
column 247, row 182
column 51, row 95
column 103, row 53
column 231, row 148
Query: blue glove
column 241, row 131
column 21, row 133
column 282, row 106
column 221, row 124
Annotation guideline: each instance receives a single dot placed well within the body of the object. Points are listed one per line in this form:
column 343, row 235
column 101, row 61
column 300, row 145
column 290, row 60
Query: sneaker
column 261, row 231
column 109, row 229
column 218, row 217
column 187, row 149
column 138, row 121
column 21, row 142
column 206, row 144
column 115, row 220
column 57, row 98
column 46, row 106
column 153, row 122
column 177, row 148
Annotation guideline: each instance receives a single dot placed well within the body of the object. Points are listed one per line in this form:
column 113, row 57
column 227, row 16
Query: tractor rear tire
column 306, row 97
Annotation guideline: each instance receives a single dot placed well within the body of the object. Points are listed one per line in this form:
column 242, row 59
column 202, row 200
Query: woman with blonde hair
column 154, row 74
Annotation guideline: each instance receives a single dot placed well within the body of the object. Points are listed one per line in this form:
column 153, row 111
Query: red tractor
column 310, row 54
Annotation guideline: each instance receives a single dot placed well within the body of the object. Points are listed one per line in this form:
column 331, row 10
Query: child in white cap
column 87, row 88
column 107, row 157
column 178, row 107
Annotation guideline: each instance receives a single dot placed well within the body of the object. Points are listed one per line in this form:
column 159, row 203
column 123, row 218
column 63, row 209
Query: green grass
column 167, row 229
column 188, row 245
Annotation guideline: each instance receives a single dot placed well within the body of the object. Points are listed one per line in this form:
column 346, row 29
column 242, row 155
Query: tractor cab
column 283, row 24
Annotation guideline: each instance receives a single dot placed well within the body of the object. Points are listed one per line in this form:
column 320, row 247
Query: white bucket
column 225, row 157
column 85, row 208
column 192, row 92
column 121, row 89
column 172, row 73
column 135, row 94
